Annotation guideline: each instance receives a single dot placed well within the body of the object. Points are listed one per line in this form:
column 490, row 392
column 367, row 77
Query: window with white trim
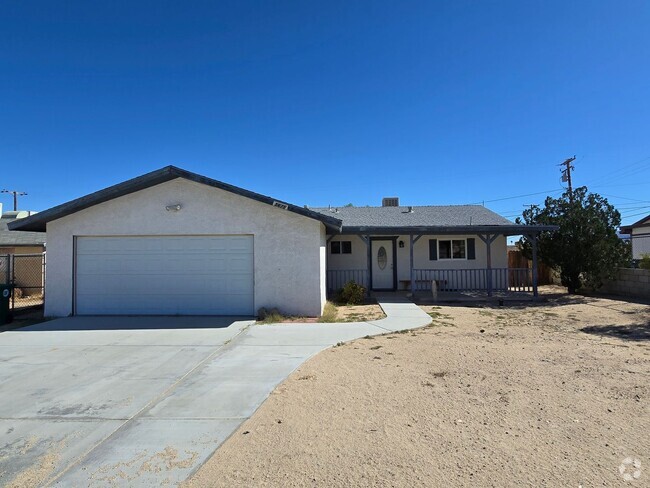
column 452, row 249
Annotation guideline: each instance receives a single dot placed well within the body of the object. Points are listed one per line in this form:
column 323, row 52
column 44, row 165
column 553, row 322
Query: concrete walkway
column 102, row 412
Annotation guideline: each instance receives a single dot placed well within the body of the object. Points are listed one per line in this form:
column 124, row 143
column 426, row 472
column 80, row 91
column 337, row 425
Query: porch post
column 411, row 242
column 534, row 239
column 488, row 242
column 369, row 257
column 488, row 239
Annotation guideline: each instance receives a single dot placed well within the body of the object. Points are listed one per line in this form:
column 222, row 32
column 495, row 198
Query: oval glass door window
column 382, row 258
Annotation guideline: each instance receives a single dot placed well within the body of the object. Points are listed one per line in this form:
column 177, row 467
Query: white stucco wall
column 499, row 252
column 358, row 258
column 289, row 249
column 640, row 241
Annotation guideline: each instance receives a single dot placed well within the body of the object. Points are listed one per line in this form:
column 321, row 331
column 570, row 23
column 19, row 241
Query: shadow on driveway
column 133, row 323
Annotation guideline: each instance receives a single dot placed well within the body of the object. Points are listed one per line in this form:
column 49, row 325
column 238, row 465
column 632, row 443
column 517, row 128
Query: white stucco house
column 175, row 242
column 639, row 236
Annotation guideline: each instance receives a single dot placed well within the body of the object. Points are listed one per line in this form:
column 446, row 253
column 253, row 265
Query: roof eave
column 38, row 222
column 627, row 229
column 451, row 230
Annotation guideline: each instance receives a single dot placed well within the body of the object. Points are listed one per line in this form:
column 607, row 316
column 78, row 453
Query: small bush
column 329, row 313
column 352, row 293
column 644, row 263
column 272, row 316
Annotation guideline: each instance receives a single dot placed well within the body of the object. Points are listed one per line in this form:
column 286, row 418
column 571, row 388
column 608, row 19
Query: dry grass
column 359, row 313
column 331, row 314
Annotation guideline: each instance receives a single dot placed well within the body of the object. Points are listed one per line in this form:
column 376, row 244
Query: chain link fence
column 26, row 272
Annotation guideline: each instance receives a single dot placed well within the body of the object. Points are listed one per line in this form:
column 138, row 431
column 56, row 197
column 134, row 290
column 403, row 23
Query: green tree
column 586, row 249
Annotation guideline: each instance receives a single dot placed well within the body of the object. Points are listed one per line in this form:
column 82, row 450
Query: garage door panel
column 211, row 275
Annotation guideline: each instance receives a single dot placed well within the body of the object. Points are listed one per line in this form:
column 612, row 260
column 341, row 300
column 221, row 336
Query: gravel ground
column 553, row 394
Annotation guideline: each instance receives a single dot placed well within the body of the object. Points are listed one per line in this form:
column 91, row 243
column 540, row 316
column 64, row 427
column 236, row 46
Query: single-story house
column 175, row 242
column 12, row 242
column 640, row 236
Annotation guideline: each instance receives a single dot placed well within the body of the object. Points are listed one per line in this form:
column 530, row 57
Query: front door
column 383, row 274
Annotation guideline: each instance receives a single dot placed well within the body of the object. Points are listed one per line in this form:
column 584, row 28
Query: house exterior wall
column 640, row 241
column 358, row 259
column 288, row 248
column 322, row 254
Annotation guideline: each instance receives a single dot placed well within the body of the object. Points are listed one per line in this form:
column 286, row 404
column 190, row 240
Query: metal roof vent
column 390, row 202
column 281, row 205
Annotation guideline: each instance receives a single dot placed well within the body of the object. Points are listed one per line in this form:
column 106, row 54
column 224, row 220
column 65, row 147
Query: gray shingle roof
column 12, row 238
column 422, row 216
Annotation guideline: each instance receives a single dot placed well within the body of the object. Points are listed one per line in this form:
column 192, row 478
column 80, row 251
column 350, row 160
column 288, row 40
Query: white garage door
column 187, row 275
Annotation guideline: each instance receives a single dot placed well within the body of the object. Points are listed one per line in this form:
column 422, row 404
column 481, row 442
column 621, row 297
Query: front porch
column 461, row 266
column 451, row 284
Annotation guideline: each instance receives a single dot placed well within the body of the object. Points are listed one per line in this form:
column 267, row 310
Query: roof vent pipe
column 410, row 209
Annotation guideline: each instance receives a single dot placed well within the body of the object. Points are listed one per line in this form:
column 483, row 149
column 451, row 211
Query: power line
column 624, row 184
column 634, row 215
column 625, row 198
column 623, row 171
column 519, row 196
column 16, row 194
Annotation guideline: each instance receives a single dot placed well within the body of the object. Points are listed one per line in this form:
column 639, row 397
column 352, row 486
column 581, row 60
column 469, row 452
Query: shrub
column 352, row 293
column 644, row 263
column 272, row 316
column 329, row 313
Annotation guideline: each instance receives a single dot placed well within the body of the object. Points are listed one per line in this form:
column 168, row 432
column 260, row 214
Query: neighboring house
column 174, row 242
column 12, row 242
column 21, row 255
column 640, row 236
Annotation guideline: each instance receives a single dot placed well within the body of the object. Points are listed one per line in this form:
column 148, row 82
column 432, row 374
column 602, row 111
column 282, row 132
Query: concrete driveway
column 108, row 401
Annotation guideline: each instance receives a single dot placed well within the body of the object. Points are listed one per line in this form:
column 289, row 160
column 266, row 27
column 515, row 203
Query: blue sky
column 437, row 102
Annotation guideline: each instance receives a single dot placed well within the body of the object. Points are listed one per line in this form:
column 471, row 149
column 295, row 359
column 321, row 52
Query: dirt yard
column 359, row 313
column 333, row 313
column 554, row 394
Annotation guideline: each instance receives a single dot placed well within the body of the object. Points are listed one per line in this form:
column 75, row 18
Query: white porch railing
column 336, row 278
column 500, row 279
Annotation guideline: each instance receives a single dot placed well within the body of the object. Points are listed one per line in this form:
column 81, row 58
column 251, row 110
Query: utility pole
column 566, row 174
column 16, row 194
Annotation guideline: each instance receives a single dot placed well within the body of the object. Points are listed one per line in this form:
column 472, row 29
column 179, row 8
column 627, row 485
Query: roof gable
column 627, row 229
column 38, row 221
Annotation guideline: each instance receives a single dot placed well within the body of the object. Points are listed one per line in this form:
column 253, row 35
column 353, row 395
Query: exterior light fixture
column 401, row 243
column 173, row 208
